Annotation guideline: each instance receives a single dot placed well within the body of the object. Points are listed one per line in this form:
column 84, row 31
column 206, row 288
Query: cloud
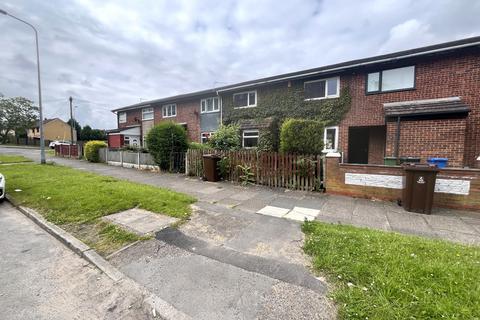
column 107, row 54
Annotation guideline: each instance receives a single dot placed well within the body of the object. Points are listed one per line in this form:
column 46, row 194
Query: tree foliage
column 77, row 127
column 17, row 115
column 226, row 138
column 301, row 136
column 165, row 139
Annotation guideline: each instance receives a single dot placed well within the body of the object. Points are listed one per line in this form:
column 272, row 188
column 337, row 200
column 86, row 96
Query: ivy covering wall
column 280, row 102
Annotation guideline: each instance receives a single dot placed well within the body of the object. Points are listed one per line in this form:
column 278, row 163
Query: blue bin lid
column 437, row 159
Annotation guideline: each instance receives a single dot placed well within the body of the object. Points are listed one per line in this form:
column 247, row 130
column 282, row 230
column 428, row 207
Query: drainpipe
column 397, row 141
column 221, row 108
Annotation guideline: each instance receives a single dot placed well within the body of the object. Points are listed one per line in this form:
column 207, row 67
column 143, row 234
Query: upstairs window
column 391, row 80
column 322, row 89
column 245, row 99
column 122, row 117
column 169, row 110
column 250, row 139
column 330, row 139
column 210, row 105
column 147, row 114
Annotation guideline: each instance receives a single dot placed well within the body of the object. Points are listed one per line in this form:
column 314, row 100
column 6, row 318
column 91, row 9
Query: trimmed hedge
column 91, row 150
column 301, row 136
column 163, row 140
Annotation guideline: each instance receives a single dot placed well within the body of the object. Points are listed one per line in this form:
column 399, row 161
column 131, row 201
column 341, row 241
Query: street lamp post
column 42, row 137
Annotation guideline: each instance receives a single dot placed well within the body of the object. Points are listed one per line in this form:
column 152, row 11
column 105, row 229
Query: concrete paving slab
column 243, row 195
column 449, row 223
column 298, row 216
column 307, row 211
column 409, row 222
column 273, row 211
column 140, row 221
column 283, row 202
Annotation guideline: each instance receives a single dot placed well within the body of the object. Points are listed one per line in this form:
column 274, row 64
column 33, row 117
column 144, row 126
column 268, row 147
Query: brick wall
column 452, row 181
column 376, row 145
column 444, row 138
column 443, row 77
column 187, row 112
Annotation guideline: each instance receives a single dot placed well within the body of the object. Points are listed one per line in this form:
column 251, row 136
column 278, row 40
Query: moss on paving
column 380, row 275
column 76, row 200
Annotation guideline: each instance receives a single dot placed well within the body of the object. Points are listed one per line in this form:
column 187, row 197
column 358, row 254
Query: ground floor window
column 250, row 138
column 206, row 136
column 126, row 141
column 330, row 139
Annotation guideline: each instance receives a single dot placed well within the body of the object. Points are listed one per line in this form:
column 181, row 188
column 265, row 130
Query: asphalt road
column 41, row 279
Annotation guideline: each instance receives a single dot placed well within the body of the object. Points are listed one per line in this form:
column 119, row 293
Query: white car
column 58, row 143
column 2, row 187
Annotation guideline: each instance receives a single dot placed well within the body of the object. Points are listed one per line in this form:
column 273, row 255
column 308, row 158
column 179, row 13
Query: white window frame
column 205, row 101
column 248, row 99
column 335, row 146
column 209, row 133
column 336, row 95
column 126, row 140
column 122, row 117
column 170, row 105
column 250, row 131
column 148, row 111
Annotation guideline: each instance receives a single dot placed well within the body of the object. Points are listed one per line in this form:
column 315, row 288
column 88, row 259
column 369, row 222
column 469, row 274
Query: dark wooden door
column 358, row 145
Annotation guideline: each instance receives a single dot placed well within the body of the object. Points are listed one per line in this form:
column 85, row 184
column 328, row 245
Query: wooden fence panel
column 301, row 172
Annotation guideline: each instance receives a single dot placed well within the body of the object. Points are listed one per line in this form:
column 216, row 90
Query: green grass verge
column 4, row 158
column 380, row 275
column 75, row 200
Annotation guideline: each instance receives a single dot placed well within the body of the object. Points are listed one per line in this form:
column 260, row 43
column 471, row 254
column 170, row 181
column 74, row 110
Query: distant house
column 418, row 103
column 54, row 129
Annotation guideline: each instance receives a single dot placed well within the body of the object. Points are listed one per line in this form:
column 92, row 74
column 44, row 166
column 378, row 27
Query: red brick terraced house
column 418, row 103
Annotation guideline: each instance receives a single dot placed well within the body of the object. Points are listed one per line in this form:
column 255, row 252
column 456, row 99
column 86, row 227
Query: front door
column 358, row 145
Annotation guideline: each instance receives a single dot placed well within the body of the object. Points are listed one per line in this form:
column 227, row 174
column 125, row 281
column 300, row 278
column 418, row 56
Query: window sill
column 245, row 107
column 168, row 116
column 147, row 119
column 329, row 150
column 388, row 91
column 324, row 98
column 216, row 111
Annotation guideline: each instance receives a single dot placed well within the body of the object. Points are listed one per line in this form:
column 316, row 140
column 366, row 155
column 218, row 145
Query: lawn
column 76, row 200
column 4, row 158
column 380, row 275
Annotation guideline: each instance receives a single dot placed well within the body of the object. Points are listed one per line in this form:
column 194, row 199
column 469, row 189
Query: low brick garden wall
column 454, row 188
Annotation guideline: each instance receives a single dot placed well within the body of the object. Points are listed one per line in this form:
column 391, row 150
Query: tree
column 77, row 127
column 86, row 134
column 98, row 134
column 165, row 139
column 226, row 138
column 17, row 115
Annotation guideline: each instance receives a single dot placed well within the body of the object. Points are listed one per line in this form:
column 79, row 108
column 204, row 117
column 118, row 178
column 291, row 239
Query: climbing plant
column 280, row 102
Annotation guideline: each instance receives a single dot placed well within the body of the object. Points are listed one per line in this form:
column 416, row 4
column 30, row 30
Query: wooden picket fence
column 273, row 169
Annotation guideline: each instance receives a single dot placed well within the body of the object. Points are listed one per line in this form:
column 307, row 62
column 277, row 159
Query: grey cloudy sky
column 109, row 54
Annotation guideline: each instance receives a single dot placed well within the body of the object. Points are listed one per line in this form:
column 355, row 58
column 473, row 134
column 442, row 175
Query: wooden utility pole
column 72, row 121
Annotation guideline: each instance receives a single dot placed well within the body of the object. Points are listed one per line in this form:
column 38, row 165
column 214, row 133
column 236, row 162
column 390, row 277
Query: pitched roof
column 451, row 105
column 45, row 121
column 411, row 53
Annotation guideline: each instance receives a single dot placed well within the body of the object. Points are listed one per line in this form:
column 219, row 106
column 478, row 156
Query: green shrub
column 301, row 136
column 198, row 146
column 91, row 150
column 165, row 139
column 223, row 166
column 226, row 138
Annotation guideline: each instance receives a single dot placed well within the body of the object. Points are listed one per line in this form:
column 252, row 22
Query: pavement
column 221, row 200
column 240, row 255
column 43, row 279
